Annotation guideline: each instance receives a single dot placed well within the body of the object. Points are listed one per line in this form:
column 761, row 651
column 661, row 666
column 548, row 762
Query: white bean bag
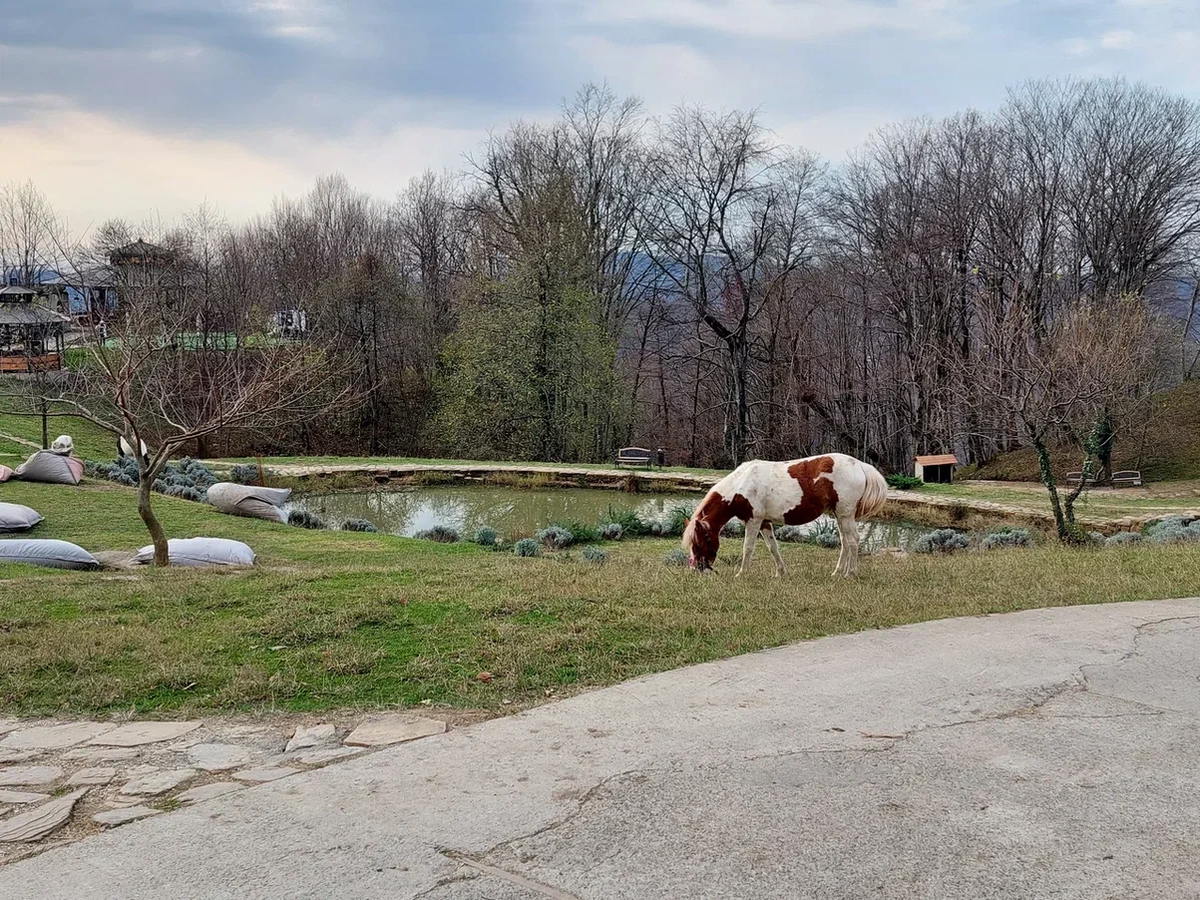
column 56, row 554
column 15, row 517
column 5, row 474
column 201, row 551
column 51, row 468
column 249, row 500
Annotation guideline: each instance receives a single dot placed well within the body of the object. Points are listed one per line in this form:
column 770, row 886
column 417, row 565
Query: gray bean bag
column 15, row 517
column 201, row 552
column 50, row 468
column 249, row 500
column 56, row 554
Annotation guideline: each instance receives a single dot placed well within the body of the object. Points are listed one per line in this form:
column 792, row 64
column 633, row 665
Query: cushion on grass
column 15, row 517
column 201, row 551
column 56, row 554
column 5, row 474
column 50, row 468
column 249, row 500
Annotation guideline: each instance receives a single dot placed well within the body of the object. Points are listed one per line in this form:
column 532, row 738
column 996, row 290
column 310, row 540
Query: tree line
column 970, row 285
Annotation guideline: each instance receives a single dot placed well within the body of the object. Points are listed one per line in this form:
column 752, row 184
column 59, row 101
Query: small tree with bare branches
column 1088, row 375
column 160, row 377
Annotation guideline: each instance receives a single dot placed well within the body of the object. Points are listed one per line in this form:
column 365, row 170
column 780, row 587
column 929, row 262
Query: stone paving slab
column 19, row 776
column 139, row 733
column 40, row 821
column 7, row 796
column 393, row 729
column 53, row 737
column 116, row 817
column 154, row 783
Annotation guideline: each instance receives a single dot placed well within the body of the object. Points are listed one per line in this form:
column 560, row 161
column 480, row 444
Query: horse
column 761, row 493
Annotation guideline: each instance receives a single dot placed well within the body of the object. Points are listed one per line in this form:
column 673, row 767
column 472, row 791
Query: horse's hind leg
column 752, row 528
column 768, row 534
column 847, row 563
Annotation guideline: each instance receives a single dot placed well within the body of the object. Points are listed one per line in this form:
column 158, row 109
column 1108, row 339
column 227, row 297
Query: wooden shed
column 936, row 469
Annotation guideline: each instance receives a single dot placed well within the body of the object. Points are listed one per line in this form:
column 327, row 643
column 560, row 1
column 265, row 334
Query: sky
column 148, row 108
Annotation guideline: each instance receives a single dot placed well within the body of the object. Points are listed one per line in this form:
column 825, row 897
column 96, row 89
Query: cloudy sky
column 150, row 107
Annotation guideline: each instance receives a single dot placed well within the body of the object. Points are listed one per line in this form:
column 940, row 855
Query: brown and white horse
column 761, row 493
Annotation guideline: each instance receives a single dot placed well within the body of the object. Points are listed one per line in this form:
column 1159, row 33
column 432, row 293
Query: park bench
column 1127, row 478
column 1076, row 477
column 635, row 456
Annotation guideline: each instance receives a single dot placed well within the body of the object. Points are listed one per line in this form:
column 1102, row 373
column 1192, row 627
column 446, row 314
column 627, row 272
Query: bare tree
column 154, row 379
column 1094, row 366
column 29, row 233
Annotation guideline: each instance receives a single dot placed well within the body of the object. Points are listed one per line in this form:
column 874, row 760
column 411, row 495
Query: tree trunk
column 146, row 511
column 1046, row 471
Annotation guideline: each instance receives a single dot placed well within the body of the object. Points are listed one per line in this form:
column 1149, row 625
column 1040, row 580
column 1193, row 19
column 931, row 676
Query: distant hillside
column 1169, row 450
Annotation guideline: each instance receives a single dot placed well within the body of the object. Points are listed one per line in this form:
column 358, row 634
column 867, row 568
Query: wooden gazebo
column 31, row 336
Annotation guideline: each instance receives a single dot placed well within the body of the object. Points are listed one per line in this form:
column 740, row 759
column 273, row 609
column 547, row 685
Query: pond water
column 519, row 512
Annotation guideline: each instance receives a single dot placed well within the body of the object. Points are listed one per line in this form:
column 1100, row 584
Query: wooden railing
column 24, row 364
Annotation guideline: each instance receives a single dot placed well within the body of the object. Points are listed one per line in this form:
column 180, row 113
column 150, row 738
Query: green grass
column 91, row 442
column 332, row 619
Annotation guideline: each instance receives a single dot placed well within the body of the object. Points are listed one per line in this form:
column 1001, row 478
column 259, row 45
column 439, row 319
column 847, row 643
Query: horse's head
column 700, row 544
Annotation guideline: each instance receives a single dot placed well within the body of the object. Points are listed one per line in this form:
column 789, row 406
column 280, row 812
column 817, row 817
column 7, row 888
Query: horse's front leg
column 752, row 528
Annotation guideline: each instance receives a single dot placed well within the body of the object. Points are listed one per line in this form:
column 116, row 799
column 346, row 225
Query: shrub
column 675, row 558
column 1174, row 530
column 944, row 540
column 828, row 539
column 593, row 554
column 359, row 525
column 579, row 532
column 903, row 482
column 1121, row 538
column 303, row 518
column 485, row 536
column 611, row 531
column 734, row 528
column 1007, row 537
column 555, row 537
column 527, row 547
column 244, row 473
column 677, row 518
column 442, row 534
column 185, row 478
column 631, row 524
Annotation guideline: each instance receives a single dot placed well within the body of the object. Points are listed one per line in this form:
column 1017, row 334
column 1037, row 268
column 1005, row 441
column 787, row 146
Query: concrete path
column 1053, row 753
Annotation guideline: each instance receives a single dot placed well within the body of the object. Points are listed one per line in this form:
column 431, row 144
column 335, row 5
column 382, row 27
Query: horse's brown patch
column 818, row 493
column 711, row 518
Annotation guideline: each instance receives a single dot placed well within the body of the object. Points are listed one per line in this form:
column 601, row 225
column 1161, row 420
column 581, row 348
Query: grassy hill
column 1167, row 450
column 91, row 442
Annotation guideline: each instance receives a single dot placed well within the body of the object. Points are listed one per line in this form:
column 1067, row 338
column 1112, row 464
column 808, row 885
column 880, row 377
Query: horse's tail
column 874, row 494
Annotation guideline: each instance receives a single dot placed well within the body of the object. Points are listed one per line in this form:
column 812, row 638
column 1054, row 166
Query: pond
column 519, row 512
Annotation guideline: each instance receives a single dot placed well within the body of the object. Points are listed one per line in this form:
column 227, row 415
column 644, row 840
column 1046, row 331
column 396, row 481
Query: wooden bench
column 1076, row 477
column 1127, row 478
column 635, row 456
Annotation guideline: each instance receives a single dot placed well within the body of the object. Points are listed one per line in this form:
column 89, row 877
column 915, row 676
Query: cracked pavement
column 1036, row 754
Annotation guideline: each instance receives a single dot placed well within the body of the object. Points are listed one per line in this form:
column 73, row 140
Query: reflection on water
column 519, row 512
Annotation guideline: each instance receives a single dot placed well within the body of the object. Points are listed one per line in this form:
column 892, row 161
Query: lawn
column 91, row 442
column 333, row 619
